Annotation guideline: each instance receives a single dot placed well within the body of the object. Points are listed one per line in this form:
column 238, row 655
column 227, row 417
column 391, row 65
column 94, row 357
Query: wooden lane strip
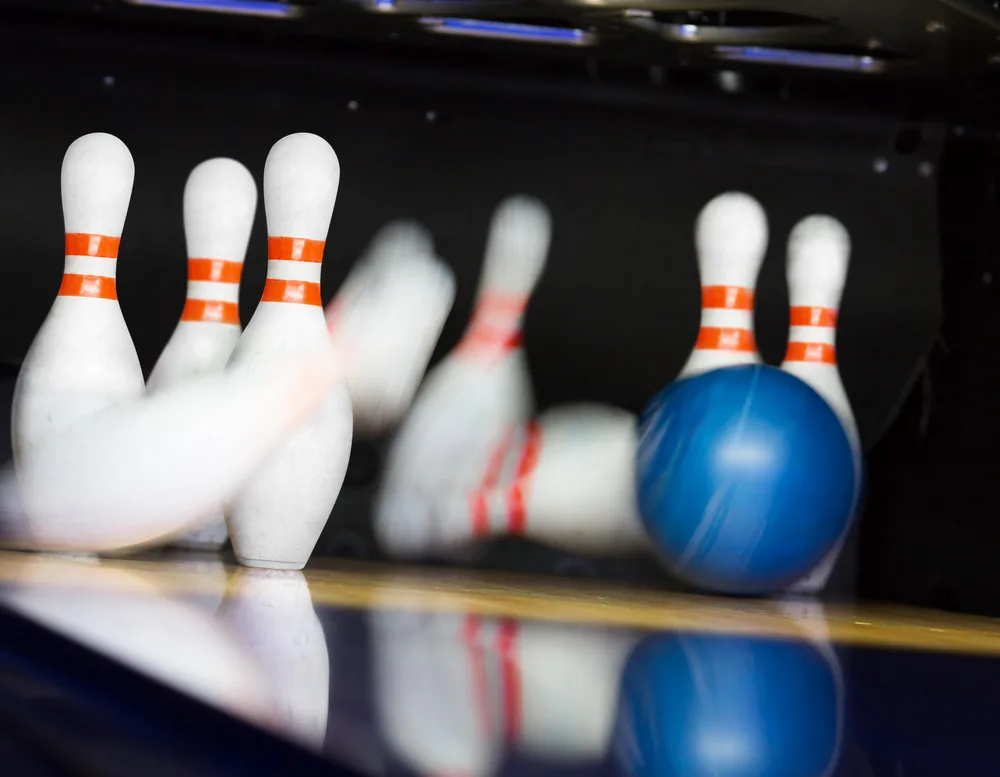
column 614, row 604
column 359, row 585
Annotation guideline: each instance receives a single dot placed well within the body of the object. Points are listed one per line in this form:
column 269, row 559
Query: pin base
column 259, row 563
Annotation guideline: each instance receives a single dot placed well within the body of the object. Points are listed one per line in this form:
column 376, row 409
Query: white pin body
column 438, row 685
column 276, row 519
column 271, row 613
column 152, row 468
column 731, row 236
column 818, row 259
column 468, row 399
column 220, row 201
column 82, row 359
column 578, row 496
column 387, row 318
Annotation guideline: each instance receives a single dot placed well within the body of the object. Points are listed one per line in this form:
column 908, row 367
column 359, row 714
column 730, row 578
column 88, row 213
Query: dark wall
column 624, row 170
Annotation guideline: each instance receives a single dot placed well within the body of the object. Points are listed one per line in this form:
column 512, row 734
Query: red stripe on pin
column 86, row 244
column 716, row 338
column 807, row 316
column 727, row 297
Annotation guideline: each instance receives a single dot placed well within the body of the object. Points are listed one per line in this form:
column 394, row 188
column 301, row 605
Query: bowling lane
column 431, row 672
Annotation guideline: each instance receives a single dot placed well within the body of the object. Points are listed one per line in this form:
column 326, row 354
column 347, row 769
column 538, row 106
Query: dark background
column 624, row 166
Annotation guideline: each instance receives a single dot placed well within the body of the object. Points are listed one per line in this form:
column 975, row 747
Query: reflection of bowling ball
column 745, row 478
column 725, row 706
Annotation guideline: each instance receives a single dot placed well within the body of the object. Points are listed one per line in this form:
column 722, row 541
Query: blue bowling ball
column 745, row 479
column 728, row 706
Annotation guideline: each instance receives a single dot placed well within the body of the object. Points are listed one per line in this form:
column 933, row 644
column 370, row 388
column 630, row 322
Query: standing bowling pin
column 82, row 359
column 387, row 318
column 152, row 468
column 220, row 199
column 819, row 251
column 481, row 389
column 278, row 517
column 567, row 480
column 731, row 239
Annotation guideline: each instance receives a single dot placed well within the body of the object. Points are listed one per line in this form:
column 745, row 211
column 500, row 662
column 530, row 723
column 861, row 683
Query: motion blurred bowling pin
column 731, row 239
column 82, row 359
column 819, row 250
column 479, row 390
column 220, row 199
column 387, row 317
column 152, row 468
column 567, row 480
column 277, row 517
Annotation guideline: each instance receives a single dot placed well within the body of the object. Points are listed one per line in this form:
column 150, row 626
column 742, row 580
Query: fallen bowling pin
column 150, row 469
column 220, row 200
column 481, row 389
column 277, row 517
column 566, row 480
column 82, row 359
column 387, row 318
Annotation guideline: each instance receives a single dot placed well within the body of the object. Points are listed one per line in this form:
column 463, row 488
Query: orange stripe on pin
column 94, row 286
column 302, row 292
column 85, row 244
column 295, row 249
column 214, row 270
column 211, row 311
column 716, row 338
column 807, row 316
column 821, row 353
column 727, row 297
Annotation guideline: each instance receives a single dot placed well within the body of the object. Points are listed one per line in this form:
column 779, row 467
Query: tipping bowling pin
column 220, row 200
column 82, row 360
column 387, row 318
column 819, row 251
column 731, row 239
column 277, row 518
column 480, row 389
column 566, row 479
column 153, row 467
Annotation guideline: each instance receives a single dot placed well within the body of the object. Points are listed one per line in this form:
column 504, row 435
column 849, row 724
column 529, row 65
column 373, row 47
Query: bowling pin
column 819, row 250
column 220, row 199
column 477, row 392
column 276, row 519
column 150, row 469
column 387, row 318
column 566, row 479
column 82, row 360
column 730, row 239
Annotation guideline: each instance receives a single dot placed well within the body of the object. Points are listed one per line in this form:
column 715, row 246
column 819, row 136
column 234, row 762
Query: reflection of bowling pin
column 125, row 616
column 271, row 613
column 220, row 199
column 818, row 254
column 276, row 519
column 731, row 239
column 567, row 479
column 479, row 390
column 439, row 681
column 454, row 689
column 569, row 682
column 82, row 360
column 387, row 318
column 150, row 468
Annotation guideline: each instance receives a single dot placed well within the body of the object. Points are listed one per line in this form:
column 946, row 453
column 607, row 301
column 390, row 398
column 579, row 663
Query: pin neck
column 90, row 266
column 495, row 327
